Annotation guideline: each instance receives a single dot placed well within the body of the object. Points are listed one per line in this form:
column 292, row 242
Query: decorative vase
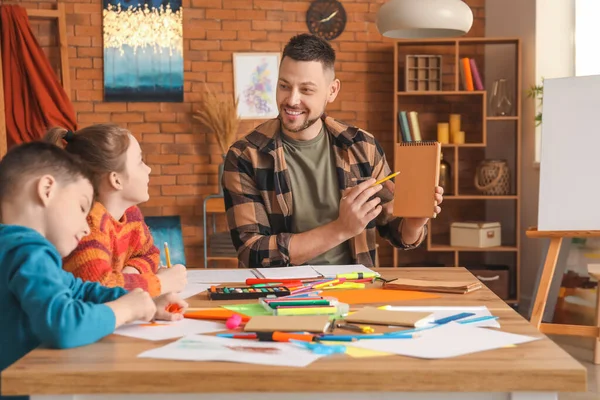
column 492, row 177
column 445, row 175
column 500, row 102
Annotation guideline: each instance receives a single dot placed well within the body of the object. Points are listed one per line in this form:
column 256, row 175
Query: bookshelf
column 487, row 136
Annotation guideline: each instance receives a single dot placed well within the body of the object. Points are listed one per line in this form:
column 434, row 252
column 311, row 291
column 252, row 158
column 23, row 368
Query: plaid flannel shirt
column 258, row 193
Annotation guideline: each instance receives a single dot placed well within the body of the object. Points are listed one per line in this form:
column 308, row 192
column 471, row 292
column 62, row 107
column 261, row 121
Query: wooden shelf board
column 441, row 247
column 474, row 40
column 452, row 145
column 508, row 118
column 440, row 92
column 479, row 197
column 221, row 258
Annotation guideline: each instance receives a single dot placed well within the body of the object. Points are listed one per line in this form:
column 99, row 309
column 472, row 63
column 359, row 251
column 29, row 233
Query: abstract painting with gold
column 143, row 50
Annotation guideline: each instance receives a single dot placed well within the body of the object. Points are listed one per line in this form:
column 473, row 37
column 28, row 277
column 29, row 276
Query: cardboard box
column 475, row 234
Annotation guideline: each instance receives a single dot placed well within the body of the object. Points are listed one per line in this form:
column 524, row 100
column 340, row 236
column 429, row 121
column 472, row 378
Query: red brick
column 195, row 159
column 89, row 95
column 236, row 45
column 195, row 32
column 177, row 169
column 294, row 27
column 93, row 118
column 192, row 179
column 266, row 25
column 236, row 25
column 154, row 107
column 268, row 5
column 86, row 8
column 238, row 4
column 216, row 35
column 255, row 35
column 163, row 180
column 160, row 117
column 266, row 46
column 162, row 158
column 127, row 117
column 207, row 66
column 178, row 190
column 204, row 45
column 219, row 55
column 250, row 14
column 175, row 128
column 160, row 201
column 110, row 107
column 220, row 14
column 79, row 41
column 217, row 76
column 207, row 3
column 157, row 138
column 144, row 128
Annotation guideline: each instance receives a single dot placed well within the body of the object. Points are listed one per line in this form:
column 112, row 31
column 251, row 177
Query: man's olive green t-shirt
column 315, row 190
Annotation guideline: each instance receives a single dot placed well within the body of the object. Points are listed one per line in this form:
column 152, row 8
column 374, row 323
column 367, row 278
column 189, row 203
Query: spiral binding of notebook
column 419, row 166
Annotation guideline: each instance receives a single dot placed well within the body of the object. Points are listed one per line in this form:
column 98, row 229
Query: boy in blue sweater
column 45, row 197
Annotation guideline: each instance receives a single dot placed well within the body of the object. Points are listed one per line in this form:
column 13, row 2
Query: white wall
column 554, row 43
column 517, row 18
column 546, row 29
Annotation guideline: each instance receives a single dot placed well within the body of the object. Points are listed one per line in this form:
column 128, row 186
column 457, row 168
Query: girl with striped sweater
column 119, row 251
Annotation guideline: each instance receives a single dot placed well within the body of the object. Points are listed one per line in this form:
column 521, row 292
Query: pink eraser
column 234, row 321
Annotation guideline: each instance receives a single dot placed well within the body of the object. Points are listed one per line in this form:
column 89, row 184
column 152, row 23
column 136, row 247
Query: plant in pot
column 220, row 116
column 537, row 92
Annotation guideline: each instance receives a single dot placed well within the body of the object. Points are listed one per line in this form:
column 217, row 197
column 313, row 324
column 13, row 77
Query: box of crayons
column 246, row 292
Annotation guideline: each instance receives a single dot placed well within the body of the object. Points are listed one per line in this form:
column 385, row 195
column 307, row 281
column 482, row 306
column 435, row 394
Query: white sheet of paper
column 211, row 348
column 169, row 330
column 192, row 289
column 331, row 271
column 448, row 340
column 205, row 275
column 443, row 312
column 300, row 272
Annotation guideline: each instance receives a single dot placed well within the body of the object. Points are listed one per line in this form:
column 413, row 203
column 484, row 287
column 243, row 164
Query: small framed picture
column 255, row 79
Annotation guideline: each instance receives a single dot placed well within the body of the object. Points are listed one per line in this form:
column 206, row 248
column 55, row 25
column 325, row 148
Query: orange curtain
column 33, row 96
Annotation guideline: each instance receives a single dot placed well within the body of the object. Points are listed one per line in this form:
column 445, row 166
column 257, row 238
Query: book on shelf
column 408, row 126
column 470, row 78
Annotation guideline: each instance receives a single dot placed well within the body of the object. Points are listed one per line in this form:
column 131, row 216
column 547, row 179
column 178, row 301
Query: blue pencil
column 351, row 338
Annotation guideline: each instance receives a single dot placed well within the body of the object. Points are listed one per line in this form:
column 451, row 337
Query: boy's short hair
column 307, row 47
column 35, row 159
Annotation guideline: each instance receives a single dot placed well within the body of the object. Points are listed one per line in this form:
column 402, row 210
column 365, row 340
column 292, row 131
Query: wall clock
column 326, row 18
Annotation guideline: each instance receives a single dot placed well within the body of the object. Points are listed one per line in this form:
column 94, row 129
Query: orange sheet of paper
column 214, row 313
column 365, row 296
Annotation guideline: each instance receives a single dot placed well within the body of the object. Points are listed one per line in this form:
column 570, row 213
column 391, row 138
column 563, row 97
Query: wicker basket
column 492, row 177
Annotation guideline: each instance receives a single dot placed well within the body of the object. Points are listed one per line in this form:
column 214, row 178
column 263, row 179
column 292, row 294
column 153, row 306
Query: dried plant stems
column 221, row 117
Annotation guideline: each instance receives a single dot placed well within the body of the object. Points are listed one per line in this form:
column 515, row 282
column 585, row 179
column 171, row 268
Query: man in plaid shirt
column 299, row 188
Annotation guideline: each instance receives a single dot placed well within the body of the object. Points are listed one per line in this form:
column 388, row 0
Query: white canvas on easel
column 570, row 155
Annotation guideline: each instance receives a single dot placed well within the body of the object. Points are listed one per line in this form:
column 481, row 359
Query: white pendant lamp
column 413, row 19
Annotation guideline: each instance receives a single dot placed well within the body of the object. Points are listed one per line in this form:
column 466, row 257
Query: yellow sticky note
column 357, row 352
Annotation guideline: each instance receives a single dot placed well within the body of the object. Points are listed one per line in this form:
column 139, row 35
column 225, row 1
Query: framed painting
column 143, row 50
column 255, row 81
column 167, row 229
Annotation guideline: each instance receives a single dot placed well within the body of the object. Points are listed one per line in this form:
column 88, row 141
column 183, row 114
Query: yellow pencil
column 167, row 255
column 390, row 176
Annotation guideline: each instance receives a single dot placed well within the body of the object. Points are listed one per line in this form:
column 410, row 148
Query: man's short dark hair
column 307, row 47
column 35, row 159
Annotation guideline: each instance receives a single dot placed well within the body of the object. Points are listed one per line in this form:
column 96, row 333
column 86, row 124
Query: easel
column 60, row 16
column 556, row 238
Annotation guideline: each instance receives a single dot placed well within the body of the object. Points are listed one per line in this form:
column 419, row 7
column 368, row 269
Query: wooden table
column 536, row 370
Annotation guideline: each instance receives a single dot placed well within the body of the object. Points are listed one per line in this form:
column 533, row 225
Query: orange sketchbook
column 419, row 166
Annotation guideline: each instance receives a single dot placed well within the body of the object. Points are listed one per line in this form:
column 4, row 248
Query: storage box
column 475, row 234
column 498, row 281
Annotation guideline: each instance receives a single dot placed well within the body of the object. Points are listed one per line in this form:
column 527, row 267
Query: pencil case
column 245, row 292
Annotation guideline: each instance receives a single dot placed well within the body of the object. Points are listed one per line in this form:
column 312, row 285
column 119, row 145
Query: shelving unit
column 486, row 136
column 213, row 205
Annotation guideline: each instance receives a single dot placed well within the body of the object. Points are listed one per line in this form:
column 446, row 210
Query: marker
column 237, row 335
column 357, row 275
column 385, row 179
column 167, row 255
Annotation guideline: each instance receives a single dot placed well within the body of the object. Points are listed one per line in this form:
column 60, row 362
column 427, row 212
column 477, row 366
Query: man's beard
column 306, row 125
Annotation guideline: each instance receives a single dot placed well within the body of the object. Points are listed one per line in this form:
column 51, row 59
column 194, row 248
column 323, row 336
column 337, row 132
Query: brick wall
column 183, row 157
